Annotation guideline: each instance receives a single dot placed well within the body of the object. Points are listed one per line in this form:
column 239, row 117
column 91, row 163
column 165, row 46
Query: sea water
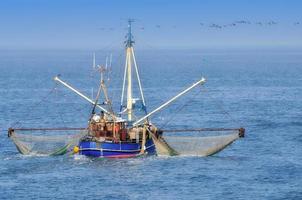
column 260, row 90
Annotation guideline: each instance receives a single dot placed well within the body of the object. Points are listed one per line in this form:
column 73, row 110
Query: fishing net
column 162, row 147
column 36, row 142
column 194, row 145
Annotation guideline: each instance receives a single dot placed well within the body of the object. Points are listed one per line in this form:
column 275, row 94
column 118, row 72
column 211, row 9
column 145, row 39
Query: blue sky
column 95, row 24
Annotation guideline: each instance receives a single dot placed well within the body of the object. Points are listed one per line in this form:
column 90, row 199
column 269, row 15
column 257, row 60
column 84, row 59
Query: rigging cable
column 18, row 123
column 226, row 113
column 180, row 108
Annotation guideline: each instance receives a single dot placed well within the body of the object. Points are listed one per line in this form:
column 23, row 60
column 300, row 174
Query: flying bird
column 229, row 25
column 242, row 22
column 232, row 24
column 270, row 23
column 215, row 26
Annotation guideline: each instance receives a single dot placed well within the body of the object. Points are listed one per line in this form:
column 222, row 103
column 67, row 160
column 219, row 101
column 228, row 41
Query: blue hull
column 114, row 150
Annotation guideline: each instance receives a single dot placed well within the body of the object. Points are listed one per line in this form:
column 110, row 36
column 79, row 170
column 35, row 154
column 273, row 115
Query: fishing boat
column 111, row 134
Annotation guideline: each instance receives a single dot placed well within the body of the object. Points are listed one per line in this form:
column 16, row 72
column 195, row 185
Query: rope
column 35, row 105
column 201, row 129
column 81, row 108
column 48, row 129
column 56, row 93
column 180, row 108
column 226, row 113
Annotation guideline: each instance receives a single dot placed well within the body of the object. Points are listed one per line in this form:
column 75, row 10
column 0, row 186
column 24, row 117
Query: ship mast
column 130, row 62
column 129, row 45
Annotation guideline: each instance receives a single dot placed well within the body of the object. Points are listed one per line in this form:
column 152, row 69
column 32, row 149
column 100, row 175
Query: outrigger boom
column 56, row 78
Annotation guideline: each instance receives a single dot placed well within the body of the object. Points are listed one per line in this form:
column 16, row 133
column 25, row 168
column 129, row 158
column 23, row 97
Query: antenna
column 91, row 74
column 106, row 65
column 109, row 68
column 93, row 61
column 129, row 35
column 110, row 60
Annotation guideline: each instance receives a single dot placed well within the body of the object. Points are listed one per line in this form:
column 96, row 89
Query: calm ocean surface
column 260, row 90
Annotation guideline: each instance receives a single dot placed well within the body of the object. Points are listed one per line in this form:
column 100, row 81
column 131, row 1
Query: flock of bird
column 217, row 26
column 236, row 23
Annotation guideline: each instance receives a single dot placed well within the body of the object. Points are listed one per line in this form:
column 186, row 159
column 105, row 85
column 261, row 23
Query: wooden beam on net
column 240, row 130
column 47, row 129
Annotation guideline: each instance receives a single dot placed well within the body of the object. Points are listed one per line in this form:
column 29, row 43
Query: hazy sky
column 96, row 24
